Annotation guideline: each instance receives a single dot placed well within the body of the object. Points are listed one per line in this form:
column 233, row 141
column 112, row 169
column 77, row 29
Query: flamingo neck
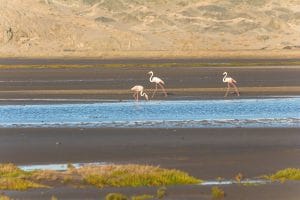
column 150, row 79
column 224, row 77
column 144, row 94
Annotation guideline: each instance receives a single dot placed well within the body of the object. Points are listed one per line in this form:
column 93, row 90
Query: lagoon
column 263, row 112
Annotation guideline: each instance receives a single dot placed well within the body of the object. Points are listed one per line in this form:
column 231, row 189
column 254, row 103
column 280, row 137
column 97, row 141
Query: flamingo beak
column 146, row 97
column 224, row 73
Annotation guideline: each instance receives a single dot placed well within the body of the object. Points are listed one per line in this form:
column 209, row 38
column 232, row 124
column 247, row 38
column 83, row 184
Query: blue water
column 274, row 112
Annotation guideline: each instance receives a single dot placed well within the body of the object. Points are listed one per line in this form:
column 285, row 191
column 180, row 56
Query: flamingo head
column 151, row 72
column 225, row 73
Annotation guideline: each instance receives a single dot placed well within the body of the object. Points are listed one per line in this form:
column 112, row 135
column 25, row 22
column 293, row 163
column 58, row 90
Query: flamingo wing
column 228, row 80
column 137, row 88
column 158, row 80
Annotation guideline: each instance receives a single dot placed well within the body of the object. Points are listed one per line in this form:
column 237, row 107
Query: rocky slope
column 87, row 27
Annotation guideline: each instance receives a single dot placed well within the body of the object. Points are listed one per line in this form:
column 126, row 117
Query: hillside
column 91, row 27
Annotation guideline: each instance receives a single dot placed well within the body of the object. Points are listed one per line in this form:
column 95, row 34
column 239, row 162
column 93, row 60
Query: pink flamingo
column 138, row 89
column 157, row 81
column 230, row 82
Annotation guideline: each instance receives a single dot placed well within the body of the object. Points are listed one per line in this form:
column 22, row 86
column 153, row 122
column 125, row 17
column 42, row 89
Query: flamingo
column 157, row 81
column 138, row 89
column 230, row 82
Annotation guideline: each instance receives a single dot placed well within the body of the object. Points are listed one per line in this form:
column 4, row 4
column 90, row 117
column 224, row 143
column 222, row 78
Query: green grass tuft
column 137, row 175
column 166, row 64
column 142, row 197
column 54, row 197
column 217, row 193
column 285, row 174
column 13, row 178
column 11, row 183
column 4, row 197
column 10, row 170
column 116, row 196
column 161, row 192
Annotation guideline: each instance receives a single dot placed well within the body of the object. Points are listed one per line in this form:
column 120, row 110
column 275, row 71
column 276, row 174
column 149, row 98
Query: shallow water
column 271, row 112
column 59, row 167
column 230, row 182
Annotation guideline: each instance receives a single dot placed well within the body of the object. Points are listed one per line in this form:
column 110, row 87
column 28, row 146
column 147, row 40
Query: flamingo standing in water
column 157, row 81
column 230, row 82
column 138, row 89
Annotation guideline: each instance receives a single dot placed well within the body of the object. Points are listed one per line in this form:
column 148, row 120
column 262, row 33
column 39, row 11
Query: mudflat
column 201, row 152
column 182, row 82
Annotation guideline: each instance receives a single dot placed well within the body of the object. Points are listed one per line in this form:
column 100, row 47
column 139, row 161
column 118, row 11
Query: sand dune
column 87, row 27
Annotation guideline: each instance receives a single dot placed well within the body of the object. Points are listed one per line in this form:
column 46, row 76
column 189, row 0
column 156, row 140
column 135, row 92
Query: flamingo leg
column 236, row 89
column 228, row 87
column 154, row 90
column 163, row 88
column 134, row 96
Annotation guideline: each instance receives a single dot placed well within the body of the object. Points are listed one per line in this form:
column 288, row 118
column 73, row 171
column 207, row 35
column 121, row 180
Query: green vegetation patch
column 10, row 170
column 134, row 176
column 285, row 174
column 161, row 192
column 120, row 196
column 116, row 196
column 217, row 193
column 4, row 197
column 13, row 178
column 166, row 64
column 142, row 197
column 9, row 183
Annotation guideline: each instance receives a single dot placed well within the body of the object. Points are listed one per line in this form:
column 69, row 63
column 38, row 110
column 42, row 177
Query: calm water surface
column 274, row 112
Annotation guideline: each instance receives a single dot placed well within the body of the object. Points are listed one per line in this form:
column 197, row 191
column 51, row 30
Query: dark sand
column 275, row 191
column 205, row 153
column 100, row 83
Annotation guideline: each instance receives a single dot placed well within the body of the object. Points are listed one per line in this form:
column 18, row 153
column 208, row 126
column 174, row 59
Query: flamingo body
column 138, row 90
column 230, row 82
column 157, row 81
column 228, row 79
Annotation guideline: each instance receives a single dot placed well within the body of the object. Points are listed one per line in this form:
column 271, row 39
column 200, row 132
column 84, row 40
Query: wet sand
column 205, row 153
column 182, row 82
